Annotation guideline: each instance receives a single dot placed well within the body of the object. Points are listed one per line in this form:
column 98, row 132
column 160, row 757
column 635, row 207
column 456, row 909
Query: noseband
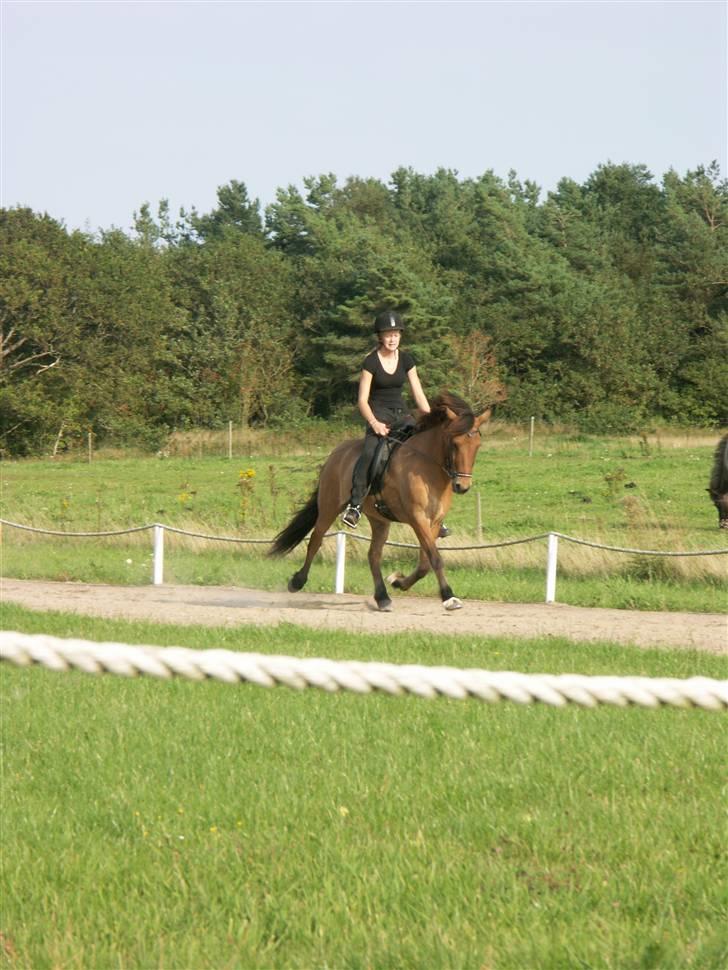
column 452, row 472
column 449, row 467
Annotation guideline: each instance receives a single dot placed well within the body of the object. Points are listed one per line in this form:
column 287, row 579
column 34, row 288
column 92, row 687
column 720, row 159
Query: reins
column 448, row 468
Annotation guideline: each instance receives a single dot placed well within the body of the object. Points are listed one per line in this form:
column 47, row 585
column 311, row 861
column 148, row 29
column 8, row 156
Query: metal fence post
column 340, row 561
column 158, row 575
column 553, row 553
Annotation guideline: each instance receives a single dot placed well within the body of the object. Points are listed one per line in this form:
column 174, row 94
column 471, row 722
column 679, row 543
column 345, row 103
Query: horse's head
column 720, row 500
column 460, row 431
column 463, row 435
column 719, row 482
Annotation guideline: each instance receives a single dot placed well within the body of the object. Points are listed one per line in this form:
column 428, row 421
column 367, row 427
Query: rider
column 380, row 402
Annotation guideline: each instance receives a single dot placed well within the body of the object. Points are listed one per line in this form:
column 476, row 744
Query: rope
column 486, row 545
column 642, row 552
column 400, row 545
column 202, row 535
column 51, row 532
column 560, row 535
column 560, row 690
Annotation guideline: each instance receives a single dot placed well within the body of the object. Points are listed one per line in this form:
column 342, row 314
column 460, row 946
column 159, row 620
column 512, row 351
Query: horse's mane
column 719, row 474
column 438, row 413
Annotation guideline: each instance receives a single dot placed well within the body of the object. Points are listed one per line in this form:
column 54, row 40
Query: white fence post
column 340, row 561
column 553, row 553
column 158, row 576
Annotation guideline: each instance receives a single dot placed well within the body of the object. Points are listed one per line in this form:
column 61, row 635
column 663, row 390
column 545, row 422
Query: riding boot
column 360, row 481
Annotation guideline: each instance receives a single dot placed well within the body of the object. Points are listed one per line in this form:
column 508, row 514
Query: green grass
column 184, row 825
column 634, row 493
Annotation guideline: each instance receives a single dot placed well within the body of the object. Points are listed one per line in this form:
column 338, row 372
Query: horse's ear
column 482, row 418
column 451, row 416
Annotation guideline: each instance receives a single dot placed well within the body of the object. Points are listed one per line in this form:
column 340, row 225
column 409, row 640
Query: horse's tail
column 297, row 529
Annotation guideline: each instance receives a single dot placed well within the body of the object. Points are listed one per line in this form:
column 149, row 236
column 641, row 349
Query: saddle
column 398, row 434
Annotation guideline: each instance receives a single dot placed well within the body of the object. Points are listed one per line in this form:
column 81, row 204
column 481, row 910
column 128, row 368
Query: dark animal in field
column 417, row 489
column 719, row 482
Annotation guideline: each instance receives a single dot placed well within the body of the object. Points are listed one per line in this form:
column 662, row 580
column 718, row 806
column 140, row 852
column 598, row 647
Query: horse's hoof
column 394, row 578
column 453, row 603
column 294, row 584
column 385, row 606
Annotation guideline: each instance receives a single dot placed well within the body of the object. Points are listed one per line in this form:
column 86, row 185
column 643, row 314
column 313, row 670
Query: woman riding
column 380, row 402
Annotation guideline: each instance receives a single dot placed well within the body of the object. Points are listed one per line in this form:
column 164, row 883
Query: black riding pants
column 360, row 477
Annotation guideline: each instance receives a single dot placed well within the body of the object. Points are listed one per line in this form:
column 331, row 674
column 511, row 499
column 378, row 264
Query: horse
column 417, row 488
column 719, row 482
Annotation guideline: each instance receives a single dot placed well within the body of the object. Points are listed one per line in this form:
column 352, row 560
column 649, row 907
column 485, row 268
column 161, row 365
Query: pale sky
column 107, row 105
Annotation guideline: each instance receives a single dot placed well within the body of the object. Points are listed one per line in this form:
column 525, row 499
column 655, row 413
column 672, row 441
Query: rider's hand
column 380, row 428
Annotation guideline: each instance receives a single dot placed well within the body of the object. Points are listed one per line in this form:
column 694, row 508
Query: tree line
column 603, row 305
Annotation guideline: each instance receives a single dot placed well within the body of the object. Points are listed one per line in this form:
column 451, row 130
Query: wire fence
column 552, row 539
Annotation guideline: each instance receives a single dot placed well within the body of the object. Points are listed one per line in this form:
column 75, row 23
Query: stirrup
column 444, row 532
column 351, row 516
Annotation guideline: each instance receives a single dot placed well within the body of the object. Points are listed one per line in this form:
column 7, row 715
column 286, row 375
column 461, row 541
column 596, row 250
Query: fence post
column 553, row 553
column 530, row 438
column 230, row 439
column 479, row 522
column 340, row 561
column 158, row 574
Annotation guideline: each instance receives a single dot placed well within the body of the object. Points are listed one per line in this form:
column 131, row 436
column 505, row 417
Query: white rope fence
column 341, row 537
column 555, row 690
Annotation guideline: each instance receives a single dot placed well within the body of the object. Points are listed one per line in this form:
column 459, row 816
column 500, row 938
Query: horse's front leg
column 426, row 533
column 380, row 531
column 399, row 581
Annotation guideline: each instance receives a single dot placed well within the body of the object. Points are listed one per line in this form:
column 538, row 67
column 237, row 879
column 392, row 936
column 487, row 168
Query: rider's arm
column 365, row 386
column 417, row 392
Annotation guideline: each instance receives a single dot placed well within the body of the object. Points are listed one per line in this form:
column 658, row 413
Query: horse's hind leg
column 331, row 495
column 328, row 510
column 380, row 531
column 298, row 579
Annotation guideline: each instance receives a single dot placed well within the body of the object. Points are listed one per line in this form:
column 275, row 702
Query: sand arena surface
column 217, row 606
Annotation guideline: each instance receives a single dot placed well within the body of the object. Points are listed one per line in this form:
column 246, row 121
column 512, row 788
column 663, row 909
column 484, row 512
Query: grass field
column 188, row 826
column 643, row 493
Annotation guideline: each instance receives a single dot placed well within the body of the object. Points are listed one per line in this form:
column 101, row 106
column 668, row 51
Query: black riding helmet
column 388, row 320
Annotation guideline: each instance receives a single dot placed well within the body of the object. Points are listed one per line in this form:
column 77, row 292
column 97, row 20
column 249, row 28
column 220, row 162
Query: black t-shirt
column 386, row 390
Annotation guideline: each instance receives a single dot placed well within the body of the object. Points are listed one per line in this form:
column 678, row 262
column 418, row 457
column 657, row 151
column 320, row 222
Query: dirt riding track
column 233, row 606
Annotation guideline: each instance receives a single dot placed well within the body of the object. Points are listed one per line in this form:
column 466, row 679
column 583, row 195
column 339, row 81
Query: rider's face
column 390, row 339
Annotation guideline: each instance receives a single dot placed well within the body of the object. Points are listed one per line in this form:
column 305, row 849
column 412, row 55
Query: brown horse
column 719, row 482
column 417, row 489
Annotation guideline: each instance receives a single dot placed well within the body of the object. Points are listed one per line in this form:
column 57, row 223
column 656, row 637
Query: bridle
column 449, row 467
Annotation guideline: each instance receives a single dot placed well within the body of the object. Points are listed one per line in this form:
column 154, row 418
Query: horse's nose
column 460, row 488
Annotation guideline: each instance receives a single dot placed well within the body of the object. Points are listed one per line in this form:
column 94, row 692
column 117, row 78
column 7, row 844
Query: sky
column 108, row 105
